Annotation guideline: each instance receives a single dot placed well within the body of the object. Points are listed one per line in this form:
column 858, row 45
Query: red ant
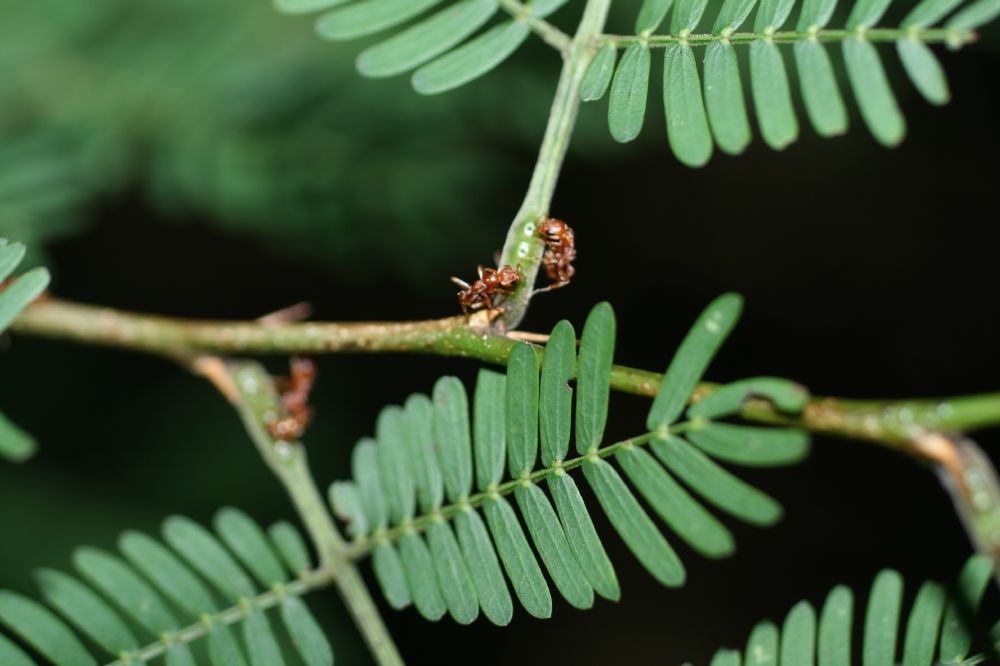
column 560, row 251
column 492, row 281
column 294, row 401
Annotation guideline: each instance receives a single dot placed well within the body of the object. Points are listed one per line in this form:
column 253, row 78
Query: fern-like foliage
column 701, row 115
column 438, row 45
column 15, row 295
column 421, row 485
column 940, row 622
column 161, row 600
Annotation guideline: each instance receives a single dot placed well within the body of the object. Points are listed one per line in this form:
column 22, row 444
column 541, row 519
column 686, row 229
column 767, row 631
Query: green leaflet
column 871, row 89
column 489, row 423
column 292, row 547
column 261, row 644
column 172, row 578
column 699, row 528
column 732, row 15
column 11, row 256
column 393, row 460
column 882, row 619
column 820, row 93
column 249, row 543
column 715, row 484
column 924, row 70
column 452, row 574
column 421, row 577
column 629, row 88
column 450, row 424
column 121, row 584
column 651, row 15
column 556, row 393
column 12, row 655
column 727, row 111
column 368, row 17
column 484, row 567
column 687, row 126
column 762, row 646
column 771, row 96
column 20, row 295
column 471, row 60
column 633, row 524
column 390, row 575
column 866, row 13
column 687, row 15
column 692, row 357
column 598, row 75
column 798, row 636
column 305, row 6
column 522, row 410
column 518, row 560
column 597, row 349
column 86, row 610
column 307, row 636
column 223, row 647
column 42, row 630
column 975, row 15
column 924, row 625
column 346, row 504
column 786, row 395
column 815, row 13
column 582, row 537
column 15, row 444
column 956, row 639
column 750, row 445
column 364, row 465
column 726, row 658
column 179, row 655
column 430, row 487
column 772, row 14
column 425, row 40
column 929, row 12
column 207, row 556
column 550, row 542
column 834, row 634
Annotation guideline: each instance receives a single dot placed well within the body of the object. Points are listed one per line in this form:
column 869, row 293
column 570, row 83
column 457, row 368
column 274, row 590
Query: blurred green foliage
column 231, row 113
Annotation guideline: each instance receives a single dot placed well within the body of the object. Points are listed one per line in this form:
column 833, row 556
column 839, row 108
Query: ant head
column 508, row 275
column 553, row 228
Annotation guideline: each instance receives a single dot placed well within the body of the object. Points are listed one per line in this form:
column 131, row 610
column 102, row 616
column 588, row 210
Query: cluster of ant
column 560, row 251
column 296, row 413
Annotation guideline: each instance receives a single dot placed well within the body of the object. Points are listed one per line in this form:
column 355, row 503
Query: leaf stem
column 552, row 35
column 523, row 247
column 949, row 36
column 305, row 583
column 254, row 396
column 893, row 423
column 364, row 545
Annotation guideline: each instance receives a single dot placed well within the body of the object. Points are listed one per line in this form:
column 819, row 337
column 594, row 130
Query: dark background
column 868, row 273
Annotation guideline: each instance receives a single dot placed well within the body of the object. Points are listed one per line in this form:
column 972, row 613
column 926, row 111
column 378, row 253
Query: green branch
column 950, row 36
column 894, row 423
column 523, row 247
column 307, row 582
column 552, row 35
column 252, row 391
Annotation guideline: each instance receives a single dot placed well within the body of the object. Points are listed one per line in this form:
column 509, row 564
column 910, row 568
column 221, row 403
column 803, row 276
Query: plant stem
column 252, row 391
column 890, row 423
column 949, row 36
column 522, row 245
